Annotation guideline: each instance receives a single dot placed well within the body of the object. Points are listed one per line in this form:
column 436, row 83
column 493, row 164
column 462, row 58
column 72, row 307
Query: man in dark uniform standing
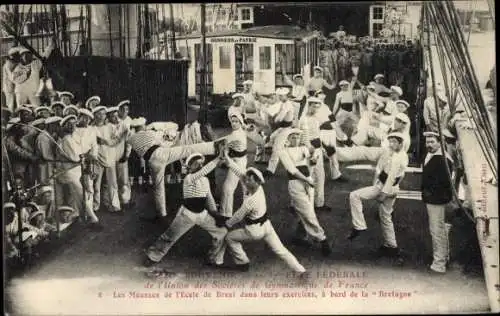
column 436, row 194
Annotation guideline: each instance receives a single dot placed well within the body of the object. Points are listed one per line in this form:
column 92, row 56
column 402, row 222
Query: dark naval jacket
column 436, row 186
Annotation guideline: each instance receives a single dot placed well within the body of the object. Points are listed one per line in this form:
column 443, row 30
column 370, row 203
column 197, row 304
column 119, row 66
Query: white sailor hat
column 69, row 107
column 66, row 93
column 8, row 205
column 111, row 109
column 65, row 209
column 318, row 68
column 42, row 108
column 193, row 157
column 67, row 118
column 25, row 109
column 297, row 76
column 57, row 103
column 403, row 118
column 93, row 98
column 13, row 50
column 37, row 122
column 23, row 50
column 247, row 82
column 431, row 134
column 53, row 119
column 400, row 136
column 293, row 131
column 343, row 83
column 86, row 112
column 448, row 134
column 99, row 108
column 35, row 214
column 397, row 89
column 12, row 122
column 44, row 189
column 34, row 206
column 238, row 95
column 406, row 104
column 378, row 76
column 257, row 173
column 140, row 121
column 442, row 96
column 282, row 91
column 124, row 102
column 314, row 100
column 238, row 116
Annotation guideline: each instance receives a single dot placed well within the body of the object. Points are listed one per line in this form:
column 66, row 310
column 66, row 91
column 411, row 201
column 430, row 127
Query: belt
column 382, row 177
column 346, row 106
column 195, row 205
column 261, row 220
column 330, row 150
column 284, row 124
column 303, row 169
column 316, row 142
column 237, row 154
column 150, row 152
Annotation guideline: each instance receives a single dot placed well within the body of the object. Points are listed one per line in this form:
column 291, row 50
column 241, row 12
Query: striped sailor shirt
column 253, row 206
column 197, row 185
column 310, row 127
column 143, row 140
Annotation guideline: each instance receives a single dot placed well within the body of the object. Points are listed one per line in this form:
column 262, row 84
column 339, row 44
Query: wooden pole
column 89, row 30
column 203, row 85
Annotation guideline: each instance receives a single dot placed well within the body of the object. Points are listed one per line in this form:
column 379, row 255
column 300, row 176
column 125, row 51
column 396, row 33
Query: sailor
column 19, row 156
column 46, row 149
column 248, row 95
column 430, row 114
column 198, row 209
column 137, row 164
column 283, row 114
column 69, row 183
column 390, row 104
column 299, row 93
column 70, row 110
column 253, row 212
column 57, row 108
column 66, row 97
column 311, row 136
column 379, row 84
column 389, row 172
column 237, row 106
column 8, row 85
column 158, row 154
column 123, row 112
column 92, row 102
column 25, row 114
column 297, row 160
column 87, row 136
column 26, row 76
column 436, row 194
column 42, row 112
column 317, row 82
column 239, row 154
column 107, row 142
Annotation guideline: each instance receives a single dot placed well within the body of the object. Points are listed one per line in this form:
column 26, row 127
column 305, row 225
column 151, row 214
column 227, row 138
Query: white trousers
column 385, row 210
column 182, row 223
column 278, row 140
column 23, row 97
column 70, row 193
column 359, row 153
column 440, row 242
column 329, row 138
column 302, row 199
column 229, row 186
column 319, row 183
column 112, row 199
column 164, row 156
column 264, row 232
column 88, row 196
column 10, row 98
column 365, row 132
column 123, row 179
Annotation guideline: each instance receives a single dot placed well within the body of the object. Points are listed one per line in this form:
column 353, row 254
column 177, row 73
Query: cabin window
column 225, row 57
column 244, row 63
column 377, row 27
column 265, row 57
column 245, row 14
column 285, row 63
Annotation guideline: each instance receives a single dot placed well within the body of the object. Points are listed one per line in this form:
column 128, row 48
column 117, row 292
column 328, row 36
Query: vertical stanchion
column 203, row 77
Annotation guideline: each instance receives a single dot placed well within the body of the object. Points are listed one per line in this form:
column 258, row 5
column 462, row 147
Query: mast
column 203, row 81
column 172, row 27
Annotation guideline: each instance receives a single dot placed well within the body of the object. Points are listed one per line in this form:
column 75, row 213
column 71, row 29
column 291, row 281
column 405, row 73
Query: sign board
column 233, row 40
